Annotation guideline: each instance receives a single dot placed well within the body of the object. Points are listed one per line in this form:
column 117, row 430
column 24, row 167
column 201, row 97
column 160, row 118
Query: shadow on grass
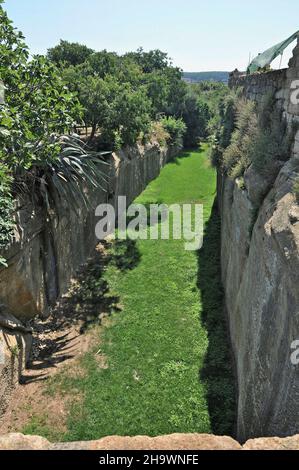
column 90, row 298
column 87, row 303
column 187, row 153
column 218, row 371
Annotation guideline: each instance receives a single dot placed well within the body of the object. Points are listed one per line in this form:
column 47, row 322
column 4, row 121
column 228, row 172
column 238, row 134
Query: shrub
column 176, row 129
column 159, row 134
column 236, row 157
column 260, row 138
column 222, row 138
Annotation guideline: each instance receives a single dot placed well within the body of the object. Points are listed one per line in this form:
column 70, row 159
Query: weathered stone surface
column 15, row 345
column 261, row 278
column 171, row 442
column 273, row 443
column 21, row 442
column 196, row 442
column 260, row 271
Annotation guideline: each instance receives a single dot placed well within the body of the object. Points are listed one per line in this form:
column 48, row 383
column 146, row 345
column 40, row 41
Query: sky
column 198, row 35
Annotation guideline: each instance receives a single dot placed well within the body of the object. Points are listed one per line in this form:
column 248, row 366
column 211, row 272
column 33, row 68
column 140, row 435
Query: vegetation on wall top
column 251, row 134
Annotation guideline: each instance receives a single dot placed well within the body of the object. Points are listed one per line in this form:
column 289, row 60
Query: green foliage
column 251, row 134
column 175, row 128
column 74, row 165
column 261, row 138
column 196, row 115
column 111, row 89
column 13, row 51
column 296, row 188
column 37, row 105
column 158, row 89
column 228, row 114
column 38, row 109
column 67, row 53
column 200, row 111
column 159, row 134
column 121, row 95
column 6, row 206
column 151, row 61
column 237, row 156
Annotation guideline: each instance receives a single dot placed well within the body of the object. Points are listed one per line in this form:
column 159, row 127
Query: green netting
column 267, row 57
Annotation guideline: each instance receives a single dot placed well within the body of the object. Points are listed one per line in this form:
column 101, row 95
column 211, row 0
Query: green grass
column 167, row 351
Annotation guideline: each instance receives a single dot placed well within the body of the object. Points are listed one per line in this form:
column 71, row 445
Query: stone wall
column 260, row 270
column 257, row 85
column 49, row 247
column 172, row 442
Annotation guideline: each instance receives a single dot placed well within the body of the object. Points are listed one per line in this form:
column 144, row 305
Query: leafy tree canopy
column 69, row 53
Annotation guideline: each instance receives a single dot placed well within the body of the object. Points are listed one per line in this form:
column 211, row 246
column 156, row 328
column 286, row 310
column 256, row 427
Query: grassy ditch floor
column 161, row 362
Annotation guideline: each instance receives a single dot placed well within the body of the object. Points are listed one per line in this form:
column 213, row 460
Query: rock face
column 260, row 270
column 50, row 245
column 195, row 442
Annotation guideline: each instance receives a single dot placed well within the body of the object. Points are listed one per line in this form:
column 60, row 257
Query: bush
column 236, row 157
column 260, row 138
column 226, row 126
column 159, row 134
column 175, row 128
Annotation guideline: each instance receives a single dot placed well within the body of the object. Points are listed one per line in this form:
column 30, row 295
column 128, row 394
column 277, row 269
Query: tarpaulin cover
column 267, row 57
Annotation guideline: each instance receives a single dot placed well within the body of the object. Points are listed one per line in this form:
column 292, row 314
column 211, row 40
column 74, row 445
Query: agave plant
column 75, row 165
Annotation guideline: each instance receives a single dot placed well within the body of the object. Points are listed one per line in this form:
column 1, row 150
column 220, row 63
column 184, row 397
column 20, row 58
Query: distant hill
column 194, row 77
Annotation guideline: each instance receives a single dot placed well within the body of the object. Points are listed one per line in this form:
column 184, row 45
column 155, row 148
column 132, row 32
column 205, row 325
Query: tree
column 69, row 53
column 95, row 95
column 37, row 106
column 103, row 63
column 113, row 96
column 196, row 115
column 131, row 114
column 177, row 92
column 158, row 89
column 150, row 61
column 13, row 50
